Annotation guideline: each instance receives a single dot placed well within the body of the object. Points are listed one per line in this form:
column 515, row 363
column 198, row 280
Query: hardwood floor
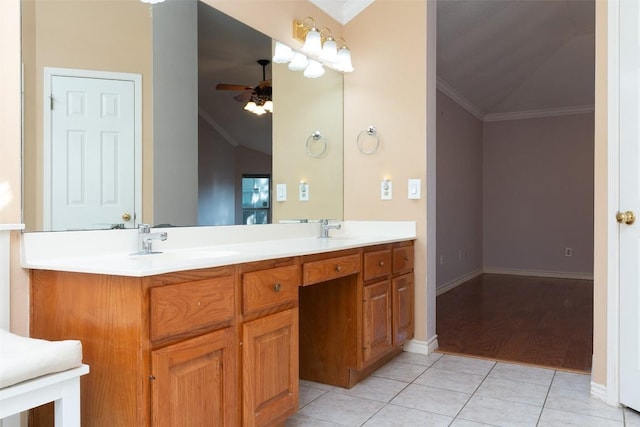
column 531, row 320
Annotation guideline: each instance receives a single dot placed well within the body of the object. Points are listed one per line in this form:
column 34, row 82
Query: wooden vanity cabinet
column 269, row 341
column 162, row 349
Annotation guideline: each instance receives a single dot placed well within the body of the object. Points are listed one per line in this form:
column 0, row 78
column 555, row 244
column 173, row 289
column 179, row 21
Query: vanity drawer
column 191, row 306
column 269, row 288
column 328, row 269
column 402, row 259
column 377, row 264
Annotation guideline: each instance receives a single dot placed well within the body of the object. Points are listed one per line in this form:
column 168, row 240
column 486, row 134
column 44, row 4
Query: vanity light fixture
column 320, row 49
column 152, row 1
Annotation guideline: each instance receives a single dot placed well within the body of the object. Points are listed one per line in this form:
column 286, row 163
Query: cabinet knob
column 276, row 287
column 381, row 263
column 338, row 268
column 406, row 258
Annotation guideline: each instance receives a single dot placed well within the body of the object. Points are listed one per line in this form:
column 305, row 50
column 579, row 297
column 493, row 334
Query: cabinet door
column 402, row 308
column 270, row 368
column 194, row 382
column 377, row 320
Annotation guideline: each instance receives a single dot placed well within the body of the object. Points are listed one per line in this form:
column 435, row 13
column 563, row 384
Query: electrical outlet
column 568, row 251
column 303, row 193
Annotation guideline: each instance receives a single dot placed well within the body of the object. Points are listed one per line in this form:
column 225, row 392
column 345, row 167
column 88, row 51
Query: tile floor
column 415, row 390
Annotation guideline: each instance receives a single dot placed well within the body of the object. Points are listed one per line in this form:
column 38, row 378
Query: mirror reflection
column 193, row 145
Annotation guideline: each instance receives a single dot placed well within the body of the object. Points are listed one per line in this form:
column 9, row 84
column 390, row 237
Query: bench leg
column 67, row 409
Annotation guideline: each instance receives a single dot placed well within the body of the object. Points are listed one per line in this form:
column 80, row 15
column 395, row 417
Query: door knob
column 627, row 217
column 126, row 216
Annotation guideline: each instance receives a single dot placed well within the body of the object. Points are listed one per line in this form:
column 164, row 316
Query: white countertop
column 188, row 248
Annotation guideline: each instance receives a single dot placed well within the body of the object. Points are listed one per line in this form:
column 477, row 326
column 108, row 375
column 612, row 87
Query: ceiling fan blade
column 243, row 97
column 265, row 83
column 224, row 86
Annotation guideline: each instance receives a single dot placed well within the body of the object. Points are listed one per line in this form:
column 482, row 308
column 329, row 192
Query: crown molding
column 533, row 114
column 217, row 127
column 445, row 88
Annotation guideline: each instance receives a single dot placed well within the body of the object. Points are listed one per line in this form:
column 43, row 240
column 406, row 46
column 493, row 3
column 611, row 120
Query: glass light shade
column 152, row 1
column 299, row 62
column 312, row 43
column 250, row 106
column 314, row 70
column 282, row 53
column 259, row 110
column 268, row 106
column 329, row 51
column 344, row 60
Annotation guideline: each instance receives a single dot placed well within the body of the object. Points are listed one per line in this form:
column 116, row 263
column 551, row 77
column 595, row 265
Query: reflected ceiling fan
column 258, row 98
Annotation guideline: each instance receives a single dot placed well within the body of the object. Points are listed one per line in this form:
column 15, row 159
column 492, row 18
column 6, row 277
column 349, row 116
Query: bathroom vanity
column 224, row 340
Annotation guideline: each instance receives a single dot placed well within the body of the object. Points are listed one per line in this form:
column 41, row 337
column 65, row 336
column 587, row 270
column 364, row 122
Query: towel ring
column 369, row 131
column 317, row 139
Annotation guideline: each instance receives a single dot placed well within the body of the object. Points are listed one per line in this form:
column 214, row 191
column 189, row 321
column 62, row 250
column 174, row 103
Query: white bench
column 34, row 372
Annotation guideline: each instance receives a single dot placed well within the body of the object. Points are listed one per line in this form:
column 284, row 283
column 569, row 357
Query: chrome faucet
column 325, row 227
column 146, row 237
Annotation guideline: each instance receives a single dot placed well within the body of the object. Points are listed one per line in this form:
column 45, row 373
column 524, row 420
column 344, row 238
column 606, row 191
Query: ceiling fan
column 262, row 91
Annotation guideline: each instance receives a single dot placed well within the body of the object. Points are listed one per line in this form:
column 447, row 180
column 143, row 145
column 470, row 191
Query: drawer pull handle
column 406, row 258
column 381, row 263
column 338, row 268
column 276, row 287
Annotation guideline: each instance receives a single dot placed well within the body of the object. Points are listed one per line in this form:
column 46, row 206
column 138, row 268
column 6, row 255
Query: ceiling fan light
column 299, row 62
column 329, row 51
column 314, row 70
column 259, row 110
column 344, row 60
column 282, row 53
column 251, row 106
column 312, row 43
column 268, row 106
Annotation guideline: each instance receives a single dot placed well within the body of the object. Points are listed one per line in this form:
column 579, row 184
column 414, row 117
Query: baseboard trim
column 538, row 273
column 457, row 282
column 421, row 347
column 598, row 391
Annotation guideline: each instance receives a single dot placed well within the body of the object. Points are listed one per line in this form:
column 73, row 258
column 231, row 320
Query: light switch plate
column 414, row 189
column 386, row 190
column 304, row 192
column 281, row 192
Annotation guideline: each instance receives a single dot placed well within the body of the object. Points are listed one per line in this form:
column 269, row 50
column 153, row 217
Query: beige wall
column 10, row 191
column 386, row 90
column 304, row 106
column 100, row 35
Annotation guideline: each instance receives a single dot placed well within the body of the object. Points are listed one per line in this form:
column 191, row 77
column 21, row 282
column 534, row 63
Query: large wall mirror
column 197, row 156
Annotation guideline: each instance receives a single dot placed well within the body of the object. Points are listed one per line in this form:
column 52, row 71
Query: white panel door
column 630, row 201
column 92, row 180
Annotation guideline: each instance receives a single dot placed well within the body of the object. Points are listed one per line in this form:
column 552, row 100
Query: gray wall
column 538, row 194
column 175, row 113
column 512, row 195
column 459, row 192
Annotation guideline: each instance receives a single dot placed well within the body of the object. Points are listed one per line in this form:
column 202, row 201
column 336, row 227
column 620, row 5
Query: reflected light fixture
column 282, row 53
column 314, row 69
column 152, row 1
column 299, row 62
column 260, row 101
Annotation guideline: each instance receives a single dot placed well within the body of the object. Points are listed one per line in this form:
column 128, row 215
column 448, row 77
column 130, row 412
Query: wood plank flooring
column 531, row 320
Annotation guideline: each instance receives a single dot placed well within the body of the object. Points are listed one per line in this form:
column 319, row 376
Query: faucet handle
column 144, row 228
column 324, row 222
